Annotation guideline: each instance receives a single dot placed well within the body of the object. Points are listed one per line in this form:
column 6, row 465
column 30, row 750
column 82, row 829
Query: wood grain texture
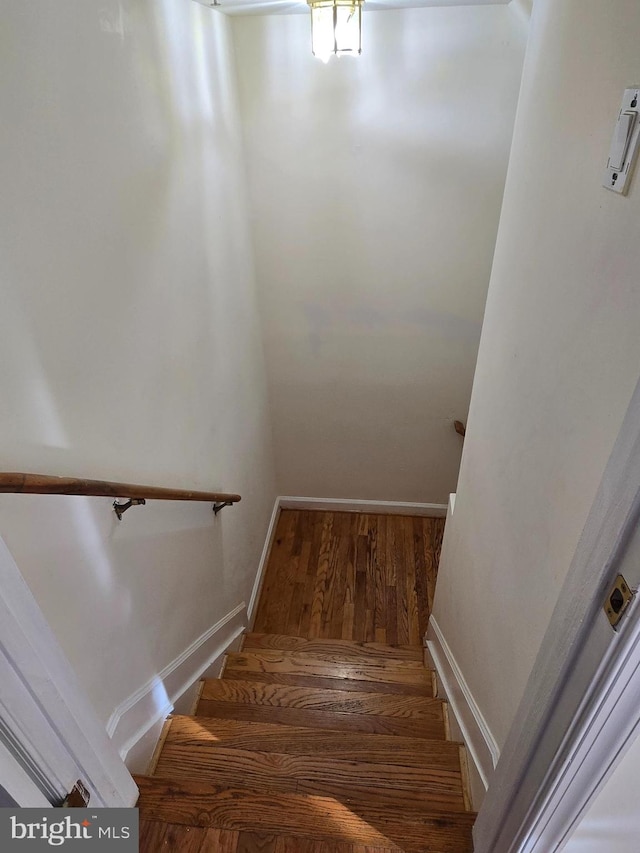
column 405, row 726
column 340, row 649
column 293, row 844
column 332, row 683
column 274, row 661
column 219, row 841
column 322, row 734
column 336, row 575
column 212, row 733
column 151, row 835
column 466, row 781
column 158, row 836
column 323, row 818
column 164, row 836
column 43, row 484
column 256, row 842
column 290, row 844
column 187, row 839
column 316, row 699
column 425, row 785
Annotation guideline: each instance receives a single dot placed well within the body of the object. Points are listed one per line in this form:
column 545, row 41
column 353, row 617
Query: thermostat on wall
column 624, row 144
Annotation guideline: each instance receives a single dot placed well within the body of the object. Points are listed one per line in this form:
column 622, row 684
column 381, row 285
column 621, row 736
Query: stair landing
column 354, row 576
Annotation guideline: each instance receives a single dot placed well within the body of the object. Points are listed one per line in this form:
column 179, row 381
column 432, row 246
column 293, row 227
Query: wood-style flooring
column 351, row 576
column 324, row 733
column 194, row 839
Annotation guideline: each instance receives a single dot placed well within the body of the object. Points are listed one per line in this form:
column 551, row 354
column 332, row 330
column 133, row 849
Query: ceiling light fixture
column 336, row 27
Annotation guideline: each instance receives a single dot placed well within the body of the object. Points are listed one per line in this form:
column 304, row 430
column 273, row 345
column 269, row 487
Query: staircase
column 310, row 746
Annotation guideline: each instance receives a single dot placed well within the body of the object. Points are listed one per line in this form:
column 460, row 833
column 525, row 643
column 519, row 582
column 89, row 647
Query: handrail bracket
column 120, row 509
column 217, row 507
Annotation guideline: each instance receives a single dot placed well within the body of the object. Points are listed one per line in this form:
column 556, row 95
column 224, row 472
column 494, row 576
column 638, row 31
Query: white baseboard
column 135, row 725
column 257, row 584
column 481, row 745
column 349, row 505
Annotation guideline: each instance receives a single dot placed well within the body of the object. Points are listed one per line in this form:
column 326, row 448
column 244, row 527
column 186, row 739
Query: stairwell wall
column 130, row 346
column 558, row 358
column 375, row 188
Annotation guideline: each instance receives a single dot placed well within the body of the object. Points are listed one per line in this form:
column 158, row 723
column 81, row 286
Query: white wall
column 558, row 358
column 129, row 335
column 612, row 822
column 375, row 187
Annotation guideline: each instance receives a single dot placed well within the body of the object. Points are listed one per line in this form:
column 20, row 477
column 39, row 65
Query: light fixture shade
column 336, row 27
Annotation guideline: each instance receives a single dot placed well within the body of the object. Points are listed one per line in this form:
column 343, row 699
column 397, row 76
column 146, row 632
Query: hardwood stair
column 310, row 746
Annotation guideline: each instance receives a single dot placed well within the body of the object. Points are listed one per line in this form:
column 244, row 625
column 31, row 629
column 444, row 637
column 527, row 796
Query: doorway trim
column 570, row 728
column 48, row 723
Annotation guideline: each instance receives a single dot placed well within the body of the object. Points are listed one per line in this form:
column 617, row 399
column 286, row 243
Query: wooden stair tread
column 276, row 661
column 433, row 783
column 413, row 716
column 324, row 818
column 299, row 844
column 342, row 648
column 349, row 781
column 318, row 699
column 212, row 733
column 428, row 729
column 426, row 689
column 156, row 835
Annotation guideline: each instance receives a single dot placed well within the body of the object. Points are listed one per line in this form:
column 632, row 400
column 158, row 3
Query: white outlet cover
column 618, row 180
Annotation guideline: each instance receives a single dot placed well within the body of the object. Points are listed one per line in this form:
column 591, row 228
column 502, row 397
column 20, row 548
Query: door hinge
column 77, row 798
column 617, row 601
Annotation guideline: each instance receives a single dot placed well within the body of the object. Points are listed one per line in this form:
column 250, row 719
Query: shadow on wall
column 114, row 592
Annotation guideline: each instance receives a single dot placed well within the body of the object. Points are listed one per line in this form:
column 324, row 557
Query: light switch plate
column 618, row 180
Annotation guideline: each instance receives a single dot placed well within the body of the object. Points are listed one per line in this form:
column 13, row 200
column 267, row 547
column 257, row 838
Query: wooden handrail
column 43, row 484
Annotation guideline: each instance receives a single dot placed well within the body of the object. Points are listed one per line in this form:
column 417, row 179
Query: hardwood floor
column 351, row 576
column 156, row 836
column 324, row 733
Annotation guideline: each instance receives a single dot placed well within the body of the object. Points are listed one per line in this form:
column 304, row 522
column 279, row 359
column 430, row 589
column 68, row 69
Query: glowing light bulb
column 336, row 27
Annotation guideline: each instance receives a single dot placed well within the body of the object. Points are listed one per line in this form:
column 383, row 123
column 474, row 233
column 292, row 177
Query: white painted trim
column 480, row 742
column 606, row 730
column 133, row 719
column 18, row 784
column 352, row 505
column 527, row 802
column 262, row 565
column 44, row 707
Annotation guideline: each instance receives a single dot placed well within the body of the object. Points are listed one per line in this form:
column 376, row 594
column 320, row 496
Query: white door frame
column 17, row 783
column 581, row 706
column 49, row 733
